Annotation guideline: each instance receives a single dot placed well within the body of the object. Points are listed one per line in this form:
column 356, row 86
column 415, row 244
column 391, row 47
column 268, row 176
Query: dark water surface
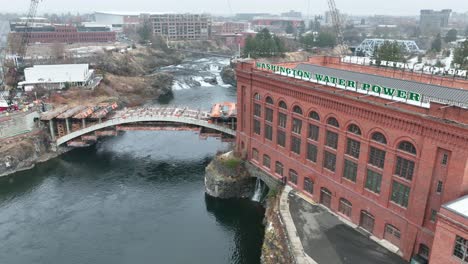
column 136, row 198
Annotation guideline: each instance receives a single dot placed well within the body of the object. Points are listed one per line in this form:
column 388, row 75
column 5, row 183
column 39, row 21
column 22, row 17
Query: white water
column 259, row 189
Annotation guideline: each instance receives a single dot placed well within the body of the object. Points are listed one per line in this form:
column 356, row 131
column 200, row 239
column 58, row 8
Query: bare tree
column 58, row 51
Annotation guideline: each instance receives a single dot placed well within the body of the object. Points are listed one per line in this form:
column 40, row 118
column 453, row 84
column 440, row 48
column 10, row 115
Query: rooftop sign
column 369, row 88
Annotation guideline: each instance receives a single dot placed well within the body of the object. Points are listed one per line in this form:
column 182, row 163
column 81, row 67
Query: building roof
column 57, row 73
column 459, row 206
column 430, row 92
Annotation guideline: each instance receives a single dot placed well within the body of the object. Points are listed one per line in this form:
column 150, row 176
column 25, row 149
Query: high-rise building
column 431, row 21
column 182, row 26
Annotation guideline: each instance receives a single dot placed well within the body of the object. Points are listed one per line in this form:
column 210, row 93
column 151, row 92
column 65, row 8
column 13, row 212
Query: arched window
column 379, row 137
column 279, row 168
column 325, row 197
column 354, row 129
column 345, row 207
column 407, row 147
column 257, row 96
column 293, row 176
column 333, row 122
column 297, row 110
column 283, row 105
column 268, row 100
column 314, row 115
column 255, row 154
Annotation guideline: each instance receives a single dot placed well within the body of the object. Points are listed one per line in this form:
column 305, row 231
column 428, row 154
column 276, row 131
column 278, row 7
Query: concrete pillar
column 83, row 123
column 100, row 120
column 67, row 122
column 52, row 131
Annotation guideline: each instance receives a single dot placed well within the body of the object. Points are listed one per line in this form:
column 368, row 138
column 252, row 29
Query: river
column 136, row 198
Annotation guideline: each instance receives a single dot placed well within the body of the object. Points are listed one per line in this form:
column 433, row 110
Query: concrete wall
column 17, row 124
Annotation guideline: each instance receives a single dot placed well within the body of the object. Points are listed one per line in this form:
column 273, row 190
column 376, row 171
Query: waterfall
column 259, row 188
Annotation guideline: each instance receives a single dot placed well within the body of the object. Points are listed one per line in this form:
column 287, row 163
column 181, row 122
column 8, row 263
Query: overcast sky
column 359, row 7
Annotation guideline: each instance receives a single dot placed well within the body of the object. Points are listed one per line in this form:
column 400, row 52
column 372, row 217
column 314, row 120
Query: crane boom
column 27, row 29
column 336, row 20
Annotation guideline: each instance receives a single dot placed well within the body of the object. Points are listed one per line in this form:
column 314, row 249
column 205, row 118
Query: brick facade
column 439, row 152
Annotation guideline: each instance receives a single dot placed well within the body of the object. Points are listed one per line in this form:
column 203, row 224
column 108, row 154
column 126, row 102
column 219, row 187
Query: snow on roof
column 459, row 206
column 118, row 13
column 57, row 73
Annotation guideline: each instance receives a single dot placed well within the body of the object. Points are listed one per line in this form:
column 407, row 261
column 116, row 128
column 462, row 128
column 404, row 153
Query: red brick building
column 451, row 240
column 384, row 152
column 68, row 34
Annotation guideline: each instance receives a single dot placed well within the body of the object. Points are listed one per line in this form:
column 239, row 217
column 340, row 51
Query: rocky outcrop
column 211, row 80
column 228, row 75
column 226, row 177
column 23, row 153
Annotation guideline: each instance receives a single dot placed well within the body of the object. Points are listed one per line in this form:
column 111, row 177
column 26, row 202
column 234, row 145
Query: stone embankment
column 226, row 177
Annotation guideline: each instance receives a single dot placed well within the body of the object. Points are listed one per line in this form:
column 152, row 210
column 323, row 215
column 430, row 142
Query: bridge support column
column 52, row 131
column 100, row 120
column 83, row 123
column 67, row 122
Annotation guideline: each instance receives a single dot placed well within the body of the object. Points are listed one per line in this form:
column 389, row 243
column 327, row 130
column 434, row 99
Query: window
column 283, row 105
column 332, row 139
column 423, row 251
column 296, row 145
column 255, row 154
column 268, row 132
column 461, row 248
column 313, row 132
column 314, row 115
column 445, row 159
column 279, row 168
column 268, row 114
column 266, row 161
column 297, row 126
column 400, row 194
column 311, row 152
column 404, row 168
column 407, row 147
column 379, row 137
column 354, row 129
column 367, row 221
column 293, row 176
column 440, row 186
column 268, row 100
column 373, row 181
column 329, row 161
column 350, row 170
column 281, row 138
column 297, row 110
column 257, row 96
column 345, row 207
column 353, row 148
column 282, row 119
column 257, row 110
column 308, row 185
column 333, row 122
column 325, row 197
column 257, row 127
column 392, row 231
column 377, row 157
column 433, row 215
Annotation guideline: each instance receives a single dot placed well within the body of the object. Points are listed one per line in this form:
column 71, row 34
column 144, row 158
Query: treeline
column 264, row 44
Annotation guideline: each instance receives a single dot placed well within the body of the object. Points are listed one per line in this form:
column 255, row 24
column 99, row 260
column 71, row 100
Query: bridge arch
column 141, row 119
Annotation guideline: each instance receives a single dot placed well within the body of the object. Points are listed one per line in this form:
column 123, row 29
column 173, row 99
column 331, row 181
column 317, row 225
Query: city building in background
column 431, row 22
column 182, row 26
column 41, row 31
column 118, row 20
column 375, row 145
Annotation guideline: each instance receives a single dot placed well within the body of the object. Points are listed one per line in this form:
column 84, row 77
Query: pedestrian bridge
column 142, row 118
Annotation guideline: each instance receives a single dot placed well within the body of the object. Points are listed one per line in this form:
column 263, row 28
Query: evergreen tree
column 289, row 29
column 145, row 32
column 263, row 44
column 451, row 35
column 460, row 56
column 388, row 51
column 326, row 39
column 437, row 43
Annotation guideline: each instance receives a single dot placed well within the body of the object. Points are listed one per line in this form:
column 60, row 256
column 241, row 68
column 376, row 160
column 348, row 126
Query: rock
column 228, row 75
column 162, row 83
column 211, row 80
column 191, row 82
column 226, row 177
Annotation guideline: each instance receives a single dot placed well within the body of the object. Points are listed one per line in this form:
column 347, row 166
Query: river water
column 136, row 198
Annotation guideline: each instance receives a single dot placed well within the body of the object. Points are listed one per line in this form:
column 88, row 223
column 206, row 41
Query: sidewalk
column 315, row 233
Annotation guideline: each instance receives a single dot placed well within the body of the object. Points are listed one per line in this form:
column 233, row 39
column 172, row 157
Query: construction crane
column 23, row 45
column 336, row 20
